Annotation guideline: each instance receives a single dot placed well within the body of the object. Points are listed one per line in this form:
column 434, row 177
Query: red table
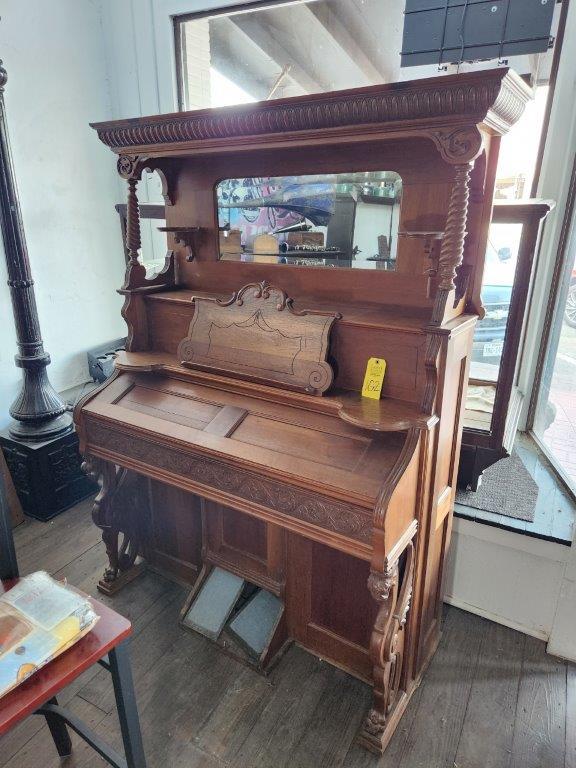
column 38, row 694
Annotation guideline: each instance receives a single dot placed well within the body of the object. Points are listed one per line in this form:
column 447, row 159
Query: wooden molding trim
column 495, row 98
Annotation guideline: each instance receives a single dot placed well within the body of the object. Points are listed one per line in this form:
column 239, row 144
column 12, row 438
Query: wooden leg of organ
column 117, row 512
column 392, row 590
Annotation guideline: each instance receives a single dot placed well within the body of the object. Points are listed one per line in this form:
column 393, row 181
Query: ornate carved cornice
column 493, row 97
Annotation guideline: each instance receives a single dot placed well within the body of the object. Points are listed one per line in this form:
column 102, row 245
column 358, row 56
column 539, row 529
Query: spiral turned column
column 39, row 413
column 453, row 242
column 133, row 240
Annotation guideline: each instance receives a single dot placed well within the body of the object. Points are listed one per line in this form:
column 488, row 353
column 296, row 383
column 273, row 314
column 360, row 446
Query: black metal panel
column 437, row 32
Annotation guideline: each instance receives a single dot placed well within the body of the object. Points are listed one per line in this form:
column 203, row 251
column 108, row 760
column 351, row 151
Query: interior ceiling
column 323, row 45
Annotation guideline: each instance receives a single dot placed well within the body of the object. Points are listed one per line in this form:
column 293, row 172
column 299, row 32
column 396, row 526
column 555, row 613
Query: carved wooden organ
column 233, row 433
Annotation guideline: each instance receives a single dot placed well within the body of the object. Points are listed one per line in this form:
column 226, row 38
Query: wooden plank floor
column 492, row 698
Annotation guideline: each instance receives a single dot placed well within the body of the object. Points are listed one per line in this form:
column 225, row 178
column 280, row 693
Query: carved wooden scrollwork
column 117, row 512
column 458, row 144
column 392, row 589
column 130, row 166
column 345, row 519
column 133, row 166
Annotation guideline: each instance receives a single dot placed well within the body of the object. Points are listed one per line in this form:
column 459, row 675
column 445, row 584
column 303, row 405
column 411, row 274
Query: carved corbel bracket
column 392, row 590
column 166, row 182
column 458, row 145
column 117, row 513
column 132, row 167
column 186, row 236
column 381, row 584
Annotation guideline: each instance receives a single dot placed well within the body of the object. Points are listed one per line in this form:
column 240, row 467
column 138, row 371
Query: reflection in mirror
column 153, row 251
column 327, row 220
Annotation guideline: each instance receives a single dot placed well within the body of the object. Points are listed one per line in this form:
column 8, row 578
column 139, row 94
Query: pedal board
column 245, row 620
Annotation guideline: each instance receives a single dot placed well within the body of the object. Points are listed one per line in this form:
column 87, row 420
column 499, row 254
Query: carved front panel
column 258, row 335
column 245, row 545
column 320, row 511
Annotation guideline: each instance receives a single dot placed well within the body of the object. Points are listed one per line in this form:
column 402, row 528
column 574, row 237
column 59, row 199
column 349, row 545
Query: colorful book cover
column 39, row 619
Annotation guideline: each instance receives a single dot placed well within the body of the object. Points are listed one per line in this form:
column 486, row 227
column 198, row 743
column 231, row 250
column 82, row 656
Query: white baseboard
column 497, row 618
column 562, row 640
column 506, row 577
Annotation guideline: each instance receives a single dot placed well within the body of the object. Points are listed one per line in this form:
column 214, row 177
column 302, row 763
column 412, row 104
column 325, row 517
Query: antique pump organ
column 305, row 236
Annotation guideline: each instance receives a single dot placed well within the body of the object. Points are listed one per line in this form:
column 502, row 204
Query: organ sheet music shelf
column 233, row 433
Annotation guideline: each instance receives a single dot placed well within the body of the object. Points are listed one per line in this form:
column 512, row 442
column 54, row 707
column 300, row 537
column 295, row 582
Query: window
column 555, row 413
column 498, row 281
column 251, row 53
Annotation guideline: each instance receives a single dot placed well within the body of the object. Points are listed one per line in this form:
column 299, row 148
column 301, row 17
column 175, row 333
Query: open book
column 39, row 619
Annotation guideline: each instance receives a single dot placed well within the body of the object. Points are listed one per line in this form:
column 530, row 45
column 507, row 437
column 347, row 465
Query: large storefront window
column 555, row 414
column 252, row 53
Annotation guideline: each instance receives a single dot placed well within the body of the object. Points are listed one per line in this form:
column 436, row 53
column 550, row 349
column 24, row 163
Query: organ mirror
column 319, row 220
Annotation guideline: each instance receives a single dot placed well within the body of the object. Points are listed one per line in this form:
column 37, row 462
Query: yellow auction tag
column 374, row 378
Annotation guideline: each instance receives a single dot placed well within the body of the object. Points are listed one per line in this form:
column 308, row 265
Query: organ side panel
column 434, row 534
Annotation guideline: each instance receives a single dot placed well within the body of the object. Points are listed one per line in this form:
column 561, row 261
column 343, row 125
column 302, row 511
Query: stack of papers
column 40, row 618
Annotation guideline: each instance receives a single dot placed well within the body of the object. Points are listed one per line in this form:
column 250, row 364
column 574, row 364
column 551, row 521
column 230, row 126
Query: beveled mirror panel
column 321, row 220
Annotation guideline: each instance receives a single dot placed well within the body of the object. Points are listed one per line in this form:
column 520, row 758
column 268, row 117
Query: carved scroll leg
column 392, row 590
column 114, row 514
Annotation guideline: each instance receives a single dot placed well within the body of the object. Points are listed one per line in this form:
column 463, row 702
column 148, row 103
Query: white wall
column 54, row 53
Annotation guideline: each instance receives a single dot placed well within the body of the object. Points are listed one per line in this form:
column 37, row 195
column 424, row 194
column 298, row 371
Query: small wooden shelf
column 424, row 235
column 383, row 415
column 179, row 230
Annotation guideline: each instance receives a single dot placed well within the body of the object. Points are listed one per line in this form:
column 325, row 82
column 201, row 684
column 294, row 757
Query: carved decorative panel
column 289, row 500
column 258, row 335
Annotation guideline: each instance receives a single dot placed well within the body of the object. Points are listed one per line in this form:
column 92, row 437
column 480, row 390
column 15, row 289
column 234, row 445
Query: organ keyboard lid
column 290, row 440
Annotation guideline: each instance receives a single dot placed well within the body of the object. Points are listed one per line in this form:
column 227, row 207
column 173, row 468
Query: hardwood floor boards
column 492, row 697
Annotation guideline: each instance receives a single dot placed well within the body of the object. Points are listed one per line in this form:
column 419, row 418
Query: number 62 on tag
column 374, row 378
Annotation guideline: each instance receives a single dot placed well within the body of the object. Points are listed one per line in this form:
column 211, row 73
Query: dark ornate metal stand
column 40, row 445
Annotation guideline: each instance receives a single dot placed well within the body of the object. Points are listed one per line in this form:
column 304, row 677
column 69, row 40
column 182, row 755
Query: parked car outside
column 570, row 310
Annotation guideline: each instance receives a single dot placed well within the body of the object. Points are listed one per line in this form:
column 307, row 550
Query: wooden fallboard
column 306, row 468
